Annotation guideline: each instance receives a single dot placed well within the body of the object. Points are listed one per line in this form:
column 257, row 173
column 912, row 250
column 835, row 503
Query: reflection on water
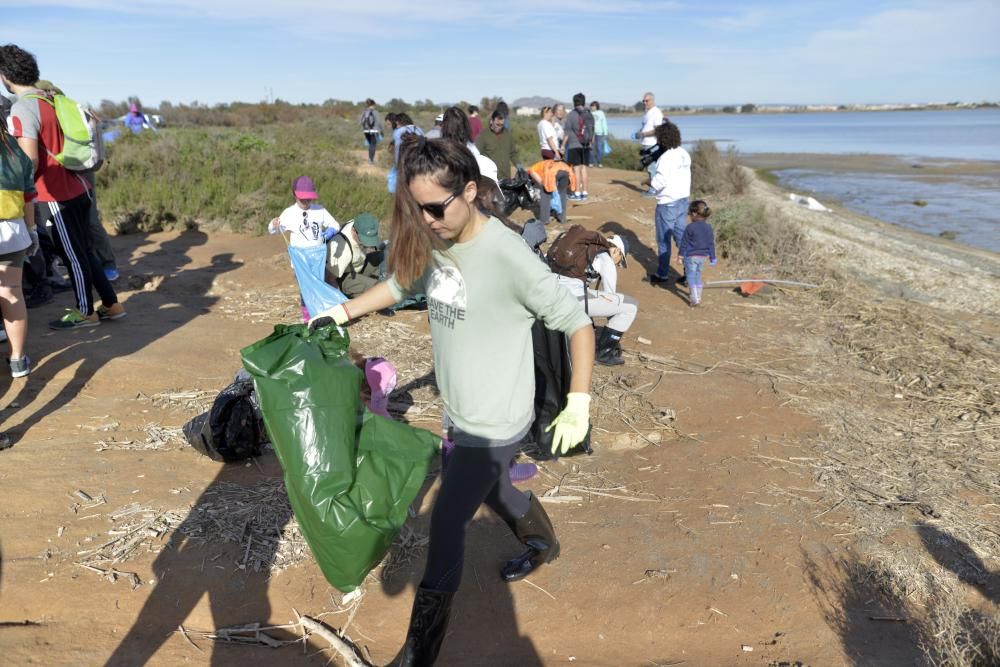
column 969, row 206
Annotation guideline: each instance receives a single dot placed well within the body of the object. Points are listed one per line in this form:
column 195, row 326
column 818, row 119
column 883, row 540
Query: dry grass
column 714, row 174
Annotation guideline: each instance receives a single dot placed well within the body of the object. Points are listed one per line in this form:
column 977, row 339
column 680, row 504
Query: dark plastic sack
column 350, row 475
column 553, row 368
column 232, row 430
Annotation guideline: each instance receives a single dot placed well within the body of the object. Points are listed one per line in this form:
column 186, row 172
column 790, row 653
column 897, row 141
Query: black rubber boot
column 608, row 349
column 535, row 531
column 428, row 623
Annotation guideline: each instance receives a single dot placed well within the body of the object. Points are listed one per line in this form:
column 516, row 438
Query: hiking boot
column 535, row 531
column 74, row 319
column 19, row 367
column 40, row 295
column 113, row 312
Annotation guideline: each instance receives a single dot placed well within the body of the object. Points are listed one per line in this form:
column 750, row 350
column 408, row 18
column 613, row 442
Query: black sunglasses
column 436, row 211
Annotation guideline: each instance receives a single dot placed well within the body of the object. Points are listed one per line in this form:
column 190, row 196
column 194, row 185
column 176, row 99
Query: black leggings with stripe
column 67, row 222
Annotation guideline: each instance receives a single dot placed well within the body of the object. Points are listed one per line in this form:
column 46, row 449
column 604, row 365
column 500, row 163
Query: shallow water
column 967, row 205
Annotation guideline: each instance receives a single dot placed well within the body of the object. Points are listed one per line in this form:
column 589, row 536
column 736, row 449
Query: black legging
column 371, row 138
column 474, row 475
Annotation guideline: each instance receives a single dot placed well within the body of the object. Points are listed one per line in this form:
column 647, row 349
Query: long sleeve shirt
column 698, row 240
column 500, row 148
column 672, row 180
column 482, row 298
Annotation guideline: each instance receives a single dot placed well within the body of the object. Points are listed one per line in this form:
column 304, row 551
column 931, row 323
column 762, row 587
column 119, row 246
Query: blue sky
column 449, row 50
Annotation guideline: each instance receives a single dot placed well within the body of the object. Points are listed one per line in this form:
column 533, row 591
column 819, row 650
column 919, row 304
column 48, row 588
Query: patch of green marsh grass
column 239, row 178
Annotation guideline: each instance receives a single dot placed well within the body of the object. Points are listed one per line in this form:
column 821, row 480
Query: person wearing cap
column 497, row 143
column 309, row 224
column 435, row 132
column 136, row 121
column 604, row 300
column 356, row 255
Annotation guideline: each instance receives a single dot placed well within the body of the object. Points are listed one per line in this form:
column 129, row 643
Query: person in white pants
column 603, row 300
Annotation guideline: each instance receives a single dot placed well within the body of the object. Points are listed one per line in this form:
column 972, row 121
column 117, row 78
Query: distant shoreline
column 760, row 111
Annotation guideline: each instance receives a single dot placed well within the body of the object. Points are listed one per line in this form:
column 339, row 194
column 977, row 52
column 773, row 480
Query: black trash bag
column 518, row 192
column 553, row 367
column 233, row 430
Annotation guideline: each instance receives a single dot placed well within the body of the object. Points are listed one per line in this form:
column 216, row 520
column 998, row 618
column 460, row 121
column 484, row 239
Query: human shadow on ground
column 955, row 555
column 865, row 612
column 484, row 629
column 180, row 296
column 625, row 184
column 188, row 569
column 648, row 258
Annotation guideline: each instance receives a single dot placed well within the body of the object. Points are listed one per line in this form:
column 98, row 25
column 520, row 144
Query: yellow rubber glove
column 571, row 424
column 337, row 314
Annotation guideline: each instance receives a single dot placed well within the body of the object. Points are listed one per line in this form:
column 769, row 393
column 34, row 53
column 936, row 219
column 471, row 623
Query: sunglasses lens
column 436, row 211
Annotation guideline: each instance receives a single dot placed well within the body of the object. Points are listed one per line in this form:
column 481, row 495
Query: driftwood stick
column 344, row 649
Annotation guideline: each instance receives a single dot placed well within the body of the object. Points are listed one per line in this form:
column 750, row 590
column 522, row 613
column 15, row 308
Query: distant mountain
column 536, row 101
column 539, row 101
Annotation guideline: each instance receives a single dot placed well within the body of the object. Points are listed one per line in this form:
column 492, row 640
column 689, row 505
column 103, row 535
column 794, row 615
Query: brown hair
column 452, row 166
column 544, row 109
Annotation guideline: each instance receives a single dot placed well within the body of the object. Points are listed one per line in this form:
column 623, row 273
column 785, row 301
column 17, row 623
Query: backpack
column 581, row 127
column 368, row 120
column 233, row 429
column 83, row 145
column 573, row 251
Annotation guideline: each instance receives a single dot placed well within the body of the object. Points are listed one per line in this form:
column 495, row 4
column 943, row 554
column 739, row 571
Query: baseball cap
column 304, row 188
column 622, row 245
column 366, row 225
column 488, row 168
column 439, row 118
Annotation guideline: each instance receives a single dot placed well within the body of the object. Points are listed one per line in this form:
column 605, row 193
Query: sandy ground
column 701, row 556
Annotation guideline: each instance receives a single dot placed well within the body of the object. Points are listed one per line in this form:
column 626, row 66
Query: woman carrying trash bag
column 484, row 289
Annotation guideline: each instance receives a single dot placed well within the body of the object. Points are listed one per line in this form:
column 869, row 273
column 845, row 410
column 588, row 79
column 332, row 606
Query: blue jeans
column 692, row 269
column 669, row 223
column 597, row 150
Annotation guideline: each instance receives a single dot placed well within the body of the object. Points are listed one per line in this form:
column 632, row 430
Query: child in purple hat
column 308, row 222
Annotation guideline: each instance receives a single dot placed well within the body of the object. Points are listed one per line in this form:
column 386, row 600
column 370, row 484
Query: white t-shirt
column 672, row 180
column 652, row 120
column 546, row 130
column 306, row 225
column 604, row 266
column 560, row 132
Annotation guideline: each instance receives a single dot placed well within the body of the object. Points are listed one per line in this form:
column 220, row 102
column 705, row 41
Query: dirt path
column 698, row 552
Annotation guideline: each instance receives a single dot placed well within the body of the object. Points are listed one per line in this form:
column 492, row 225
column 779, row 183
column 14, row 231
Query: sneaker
column 5, row 442
column 58, row 283
column 649, row 194
column 74, row 319
column 656, row 280
column 19, row 367
column 576, row 196
column 112, row 312
column 683, row 280
column 111, row 273
column 583, row 196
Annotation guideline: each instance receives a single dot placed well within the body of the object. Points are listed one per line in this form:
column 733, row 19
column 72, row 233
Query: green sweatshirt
column 500, row 148
column 482, row 297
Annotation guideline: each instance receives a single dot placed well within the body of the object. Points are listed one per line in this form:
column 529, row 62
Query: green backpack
column 83, row 145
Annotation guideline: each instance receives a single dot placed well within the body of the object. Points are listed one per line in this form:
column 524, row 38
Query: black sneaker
column 683, row 280
column 656, row 280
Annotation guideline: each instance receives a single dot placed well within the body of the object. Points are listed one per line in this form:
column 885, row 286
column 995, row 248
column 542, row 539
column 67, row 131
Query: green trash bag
column 350, row 474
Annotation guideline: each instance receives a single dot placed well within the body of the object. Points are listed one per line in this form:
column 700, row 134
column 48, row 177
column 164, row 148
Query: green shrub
column 750, row 237
column 221, row 176
column 715, row 174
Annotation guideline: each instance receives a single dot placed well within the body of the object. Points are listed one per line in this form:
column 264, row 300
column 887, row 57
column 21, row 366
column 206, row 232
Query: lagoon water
column 966, row 205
